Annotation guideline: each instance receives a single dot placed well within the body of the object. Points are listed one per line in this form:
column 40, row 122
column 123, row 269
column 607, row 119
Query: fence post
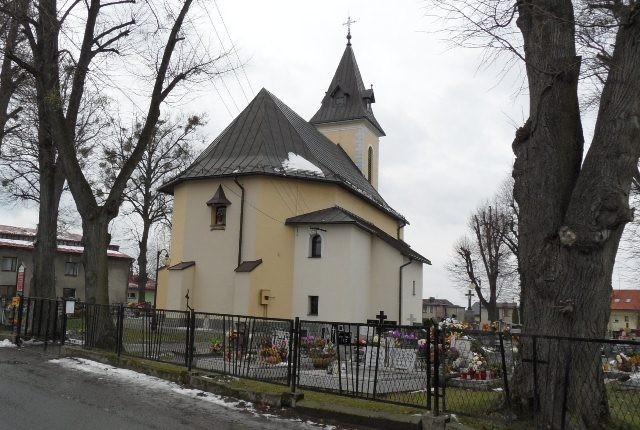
column 536, row 400
column 504, row 375
column 436, row 370
column 293, row 355
column 191, row 337
column 17, row 340
column 63, row 334
column 120, row 329
column 428, row 354
column 565, row 395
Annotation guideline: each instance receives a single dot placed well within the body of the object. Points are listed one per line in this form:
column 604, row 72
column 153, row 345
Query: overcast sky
column 449, row 123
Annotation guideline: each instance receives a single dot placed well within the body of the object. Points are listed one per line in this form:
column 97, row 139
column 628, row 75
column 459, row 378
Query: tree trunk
column 96, row 238
column 142, row 261
column 571, row 216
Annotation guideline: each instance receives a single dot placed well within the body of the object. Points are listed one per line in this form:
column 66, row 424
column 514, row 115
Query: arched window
column 370, row 164
column 316, row 246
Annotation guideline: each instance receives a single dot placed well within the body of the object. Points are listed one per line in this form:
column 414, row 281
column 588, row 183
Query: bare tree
column 484, row 259
column 169, row 151
column 573, row 206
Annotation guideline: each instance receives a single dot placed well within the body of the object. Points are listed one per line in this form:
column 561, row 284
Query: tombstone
column 463, row 346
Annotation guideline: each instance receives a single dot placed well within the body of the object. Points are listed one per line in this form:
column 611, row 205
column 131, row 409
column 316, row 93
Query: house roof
column 338, row 215
column 625, row 300
column 347, row 98
column 438, row 302
column 500, row 305
column 133, row 283
column 68, row 243
column 269, row 138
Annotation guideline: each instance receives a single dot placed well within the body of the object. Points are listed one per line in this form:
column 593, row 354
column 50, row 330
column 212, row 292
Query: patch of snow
column 31, row 342
column 129, row 376
column 298, row 162
column 6, row 343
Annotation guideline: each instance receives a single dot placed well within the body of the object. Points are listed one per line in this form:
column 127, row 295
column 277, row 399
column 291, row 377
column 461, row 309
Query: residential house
column 133, row 291
column 281, row 217
column 507, row 313
column 437, row 309
column 16, row 265
column 625, row 312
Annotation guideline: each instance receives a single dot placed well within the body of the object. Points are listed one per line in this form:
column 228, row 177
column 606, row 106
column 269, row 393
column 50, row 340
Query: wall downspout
column 241, row 220
column 398, row 231
column 400, row 290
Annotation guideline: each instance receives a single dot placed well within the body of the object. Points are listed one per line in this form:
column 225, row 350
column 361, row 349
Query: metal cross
column 412, row 319
column 348, row 24
column 469, row 294
column 381, row 317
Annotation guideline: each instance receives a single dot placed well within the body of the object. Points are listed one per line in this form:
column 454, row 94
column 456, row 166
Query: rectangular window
column 69, row 293
column 626, row 318
column 414, row 288
column 9, row 264
column 70, row 269
column 132, row 295
column 313, row 305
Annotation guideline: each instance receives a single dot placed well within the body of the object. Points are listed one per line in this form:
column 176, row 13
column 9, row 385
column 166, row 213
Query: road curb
column 329, row 413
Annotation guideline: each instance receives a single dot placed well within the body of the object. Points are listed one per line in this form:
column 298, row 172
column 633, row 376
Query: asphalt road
column 37, row 394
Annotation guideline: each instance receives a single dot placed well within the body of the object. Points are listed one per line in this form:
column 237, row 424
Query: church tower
column 346, row 117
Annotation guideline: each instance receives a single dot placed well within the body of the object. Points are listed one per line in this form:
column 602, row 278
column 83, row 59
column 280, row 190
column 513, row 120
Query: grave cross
column 469, row 294
column 381, row 317
column 412, row 319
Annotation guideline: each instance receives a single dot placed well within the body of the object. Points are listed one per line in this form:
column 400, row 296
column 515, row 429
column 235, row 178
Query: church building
column 281, row 217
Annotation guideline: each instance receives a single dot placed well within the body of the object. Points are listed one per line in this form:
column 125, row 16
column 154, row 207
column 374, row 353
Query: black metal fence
column 445, row 369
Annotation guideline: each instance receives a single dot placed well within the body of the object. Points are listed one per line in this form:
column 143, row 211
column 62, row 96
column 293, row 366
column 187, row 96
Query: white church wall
column 213, row 283
column 385, row 262
column 412, row 298
column 338, row 278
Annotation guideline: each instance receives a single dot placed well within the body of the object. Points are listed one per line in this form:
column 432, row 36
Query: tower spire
column 348, row 24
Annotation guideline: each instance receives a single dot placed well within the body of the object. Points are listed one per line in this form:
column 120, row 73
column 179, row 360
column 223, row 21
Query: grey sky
column 449, row 126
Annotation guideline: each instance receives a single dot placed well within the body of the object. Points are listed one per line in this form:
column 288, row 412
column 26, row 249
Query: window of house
column 414, row 288
column 370, row 164
column 313, row 305
column 70, row 268
column 132, row 295
column 316, row 246
column 627, row 301
column 69, row 293
column 9, row 264
column 626, row 318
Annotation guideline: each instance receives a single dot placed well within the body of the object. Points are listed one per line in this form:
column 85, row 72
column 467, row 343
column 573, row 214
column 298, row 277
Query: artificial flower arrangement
column 215, row 346
column 321, row 351
column 270, row 354
column 399, row 339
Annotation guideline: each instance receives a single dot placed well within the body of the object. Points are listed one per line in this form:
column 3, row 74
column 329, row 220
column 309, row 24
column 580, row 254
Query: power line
column 235, row 51
column 215, row 30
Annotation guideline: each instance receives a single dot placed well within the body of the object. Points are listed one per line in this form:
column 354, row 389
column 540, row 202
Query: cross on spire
column 348, row 24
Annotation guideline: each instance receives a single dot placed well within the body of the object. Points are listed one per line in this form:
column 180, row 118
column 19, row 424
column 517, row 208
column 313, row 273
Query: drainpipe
column 241, row 220
column 404, row 223
column 400, row 290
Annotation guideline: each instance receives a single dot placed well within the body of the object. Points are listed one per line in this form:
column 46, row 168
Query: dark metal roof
column 248, row 266
column 182, row 265
column 438, row 302
column 347, row 98
column 219, row 198
column 269, row 138
column 338, row 215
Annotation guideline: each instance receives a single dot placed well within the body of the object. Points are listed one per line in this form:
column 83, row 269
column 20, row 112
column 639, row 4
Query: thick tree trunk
column 51, row 181
column 571, row 218
column 142, row 261
column 96, row 238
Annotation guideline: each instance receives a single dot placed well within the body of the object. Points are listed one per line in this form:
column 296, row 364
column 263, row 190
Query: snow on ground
column 6, row 343
column 129, row 376
column 298, row 162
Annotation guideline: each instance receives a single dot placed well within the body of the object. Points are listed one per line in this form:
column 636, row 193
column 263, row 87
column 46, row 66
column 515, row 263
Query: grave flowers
column 215, row 346
column 321, row 351
column 270, row 354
